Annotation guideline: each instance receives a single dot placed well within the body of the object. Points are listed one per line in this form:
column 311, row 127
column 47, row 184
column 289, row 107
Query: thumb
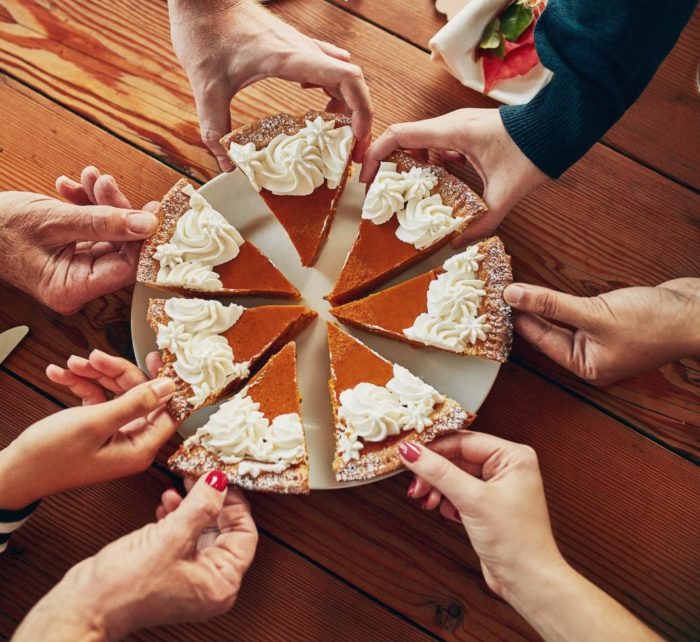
column 558, row 306
column 200, row 508
column 133, row 404
column 458, row 486
column 66, row 223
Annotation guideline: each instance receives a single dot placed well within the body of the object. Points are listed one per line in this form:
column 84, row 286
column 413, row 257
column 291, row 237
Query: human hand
column 474, row 135
column 613, row 335
column 67, row 254
column 99, row 377
column 96, row 442
column 229, row 45
column 163, row 573
column 493, row 487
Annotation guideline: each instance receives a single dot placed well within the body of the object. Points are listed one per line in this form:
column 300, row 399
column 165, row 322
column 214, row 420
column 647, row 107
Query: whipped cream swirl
column 203, row 358
column 296, row 165
column 373, row 413
column 202, row 240
column 423, row 218
column 240, row 434
column 454, row 298
column 425, row 221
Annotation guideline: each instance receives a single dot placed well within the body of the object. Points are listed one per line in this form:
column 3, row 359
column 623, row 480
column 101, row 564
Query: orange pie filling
column 260, row 428
column 376, row 402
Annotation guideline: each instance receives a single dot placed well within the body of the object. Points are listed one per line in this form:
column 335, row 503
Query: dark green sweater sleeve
column 603, row 54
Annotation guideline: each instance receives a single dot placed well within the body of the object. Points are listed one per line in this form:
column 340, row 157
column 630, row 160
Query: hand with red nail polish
column 186, row 567
column 118, row 431
column 67, row 254
column 495, row 489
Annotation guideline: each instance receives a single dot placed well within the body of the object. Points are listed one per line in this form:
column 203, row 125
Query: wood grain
column 660, row 130
column 273, row 603
column 596, row 229
column 625, row 509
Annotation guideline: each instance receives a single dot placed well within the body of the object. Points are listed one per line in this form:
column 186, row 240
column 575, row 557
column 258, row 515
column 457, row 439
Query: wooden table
column 96, row 82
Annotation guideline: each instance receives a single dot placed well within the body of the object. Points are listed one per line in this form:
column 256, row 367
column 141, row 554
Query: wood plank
column 597, row 229
column 367, row 534
column 278, row 590
column 660, row 130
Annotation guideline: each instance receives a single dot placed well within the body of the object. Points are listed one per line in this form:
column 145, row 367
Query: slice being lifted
column 458, row 307
column 256, row 437
column 377, row 405
column 208, row 348
column 299, row 165
column 196, row 251
column 412, row 209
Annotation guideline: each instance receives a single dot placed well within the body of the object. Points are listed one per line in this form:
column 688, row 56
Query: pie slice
column 411, row 210
column 377, row 405
column 299, row 165
column 256, row 437
column 209, row 348
column 458, row 307
column 196, row 251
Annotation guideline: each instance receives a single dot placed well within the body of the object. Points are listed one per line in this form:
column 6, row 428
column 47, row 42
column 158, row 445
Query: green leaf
column 515, row 20
column 491, row 38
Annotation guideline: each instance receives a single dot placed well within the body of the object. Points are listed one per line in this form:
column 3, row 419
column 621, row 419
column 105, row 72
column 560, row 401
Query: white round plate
column 467, row 380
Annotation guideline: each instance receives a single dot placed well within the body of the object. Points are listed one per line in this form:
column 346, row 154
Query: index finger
column 432, row 132
column 472, row 447
column 355, row 94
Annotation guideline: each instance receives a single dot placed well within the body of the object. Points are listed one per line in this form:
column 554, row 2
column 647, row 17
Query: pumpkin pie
column 377, row 405
column 196, row 251
column 299, row 165
column 411, row 210
column 256, row 437
column 458, row 307
column 209, row 348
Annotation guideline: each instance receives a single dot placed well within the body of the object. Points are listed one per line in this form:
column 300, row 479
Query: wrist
column 16, row 490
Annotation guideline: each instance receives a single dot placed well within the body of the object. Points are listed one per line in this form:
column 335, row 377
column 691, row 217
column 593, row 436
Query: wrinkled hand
column 477, row 136
column 160, row 574
column 67, row 254
column 613, row 335
column 99, row 441
column 231, row 44
column 493, row 487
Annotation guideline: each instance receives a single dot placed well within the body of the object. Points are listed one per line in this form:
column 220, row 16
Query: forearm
column 562, row 605
column 603, row 54
column 58, row 617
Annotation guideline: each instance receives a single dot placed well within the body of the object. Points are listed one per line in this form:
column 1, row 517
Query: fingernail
column 456, row 515
column 141, row 222
column 513, row 294
column 410, row 452
column 424, row 504
column 163, row 387
column 217, row 479
column 411, row 488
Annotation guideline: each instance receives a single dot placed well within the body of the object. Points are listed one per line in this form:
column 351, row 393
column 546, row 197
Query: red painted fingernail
column 411, row 488
column 410, row 452
column 217, row 479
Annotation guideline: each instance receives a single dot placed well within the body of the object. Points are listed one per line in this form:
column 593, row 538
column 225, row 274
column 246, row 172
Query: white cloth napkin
column 454, row 44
